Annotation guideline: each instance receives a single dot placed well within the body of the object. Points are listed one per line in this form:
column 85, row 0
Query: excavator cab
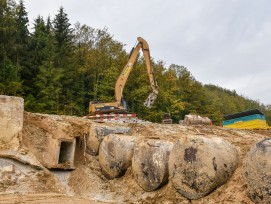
column 98, row 107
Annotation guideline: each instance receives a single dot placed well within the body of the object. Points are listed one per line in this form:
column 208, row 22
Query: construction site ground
column 87, row 184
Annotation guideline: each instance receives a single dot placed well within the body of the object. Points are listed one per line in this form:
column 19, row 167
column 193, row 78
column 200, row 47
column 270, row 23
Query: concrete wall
column 11, row 119
column 43, row 135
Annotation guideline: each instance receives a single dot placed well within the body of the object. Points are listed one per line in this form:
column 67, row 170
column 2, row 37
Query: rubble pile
column 63, row 158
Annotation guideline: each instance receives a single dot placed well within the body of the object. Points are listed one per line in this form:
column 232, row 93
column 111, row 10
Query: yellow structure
column 251, row 119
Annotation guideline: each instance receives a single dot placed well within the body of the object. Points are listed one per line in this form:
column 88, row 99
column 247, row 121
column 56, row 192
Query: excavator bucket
column 150, row 100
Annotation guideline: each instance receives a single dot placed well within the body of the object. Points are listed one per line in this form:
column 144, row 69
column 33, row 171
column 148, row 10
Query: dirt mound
column 44, row 198
column 87, row 184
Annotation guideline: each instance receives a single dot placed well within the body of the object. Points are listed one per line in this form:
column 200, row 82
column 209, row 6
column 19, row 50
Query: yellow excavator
column 119, row 106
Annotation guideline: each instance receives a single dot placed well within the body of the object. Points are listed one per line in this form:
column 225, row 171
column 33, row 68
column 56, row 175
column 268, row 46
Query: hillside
column 58, row 68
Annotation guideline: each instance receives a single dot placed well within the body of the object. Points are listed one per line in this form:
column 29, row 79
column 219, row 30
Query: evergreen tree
column 22, row 39
column 72, row 99
column 22, row 33
column 37, row 54
column 49, row 26
column 41, row 49
column 63, row 38
column 9, row 79
column 48, row 80
column 7, row 29
column 49, row 84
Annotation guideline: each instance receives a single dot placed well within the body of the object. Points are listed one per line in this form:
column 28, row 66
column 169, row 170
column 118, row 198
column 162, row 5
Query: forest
column 58, row 68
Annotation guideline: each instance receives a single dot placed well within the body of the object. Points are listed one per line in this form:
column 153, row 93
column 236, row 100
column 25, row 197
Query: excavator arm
column 116, row 106
column 142, row 44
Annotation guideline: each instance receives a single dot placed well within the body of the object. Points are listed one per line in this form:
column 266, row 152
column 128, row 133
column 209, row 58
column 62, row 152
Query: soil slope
column 86, row 184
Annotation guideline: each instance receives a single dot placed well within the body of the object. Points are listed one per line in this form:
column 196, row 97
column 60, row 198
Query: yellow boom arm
column 142, row 44
column 116, row 106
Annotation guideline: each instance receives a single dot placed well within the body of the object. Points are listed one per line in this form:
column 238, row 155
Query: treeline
column 58, row 68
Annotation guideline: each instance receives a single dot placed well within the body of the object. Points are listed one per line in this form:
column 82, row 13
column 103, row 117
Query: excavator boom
column 121, row 81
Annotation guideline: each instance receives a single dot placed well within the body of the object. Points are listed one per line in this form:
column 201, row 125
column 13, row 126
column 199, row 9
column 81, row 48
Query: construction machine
column 120, row 106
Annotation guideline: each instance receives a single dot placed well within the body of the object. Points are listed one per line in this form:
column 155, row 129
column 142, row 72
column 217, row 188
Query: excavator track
column 121, row 118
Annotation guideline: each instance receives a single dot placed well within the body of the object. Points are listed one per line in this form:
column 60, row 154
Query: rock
column 115, row 154
column 150, row 163
column 97, row 134
column 11, row 119
column 8, row 169
column 256, row 172
column 198, row 165
column 23, row 151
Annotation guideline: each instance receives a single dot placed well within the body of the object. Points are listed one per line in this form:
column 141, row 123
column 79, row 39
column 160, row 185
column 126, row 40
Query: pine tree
column 7, row 29
column 39, row 42
column 9, row 79
column 48, row 81
column 72, row 99
column 22, row 39
column 63, row 38
column 37, row 45
column 22, row 33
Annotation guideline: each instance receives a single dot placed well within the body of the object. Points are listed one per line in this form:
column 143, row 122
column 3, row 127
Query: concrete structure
column 53, row 139
column 11, row 120
column 60, row 153
column 55, row 148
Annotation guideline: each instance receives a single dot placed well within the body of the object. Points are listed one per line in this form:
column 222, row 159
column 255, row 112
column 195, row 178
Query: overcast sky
column 222, row 42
